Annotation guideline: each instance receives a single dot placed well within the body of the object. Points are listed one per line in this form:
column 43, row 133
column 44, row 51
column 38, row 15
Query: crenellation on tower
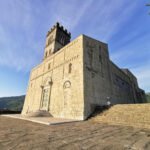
column 57, row 25
column 56, row 38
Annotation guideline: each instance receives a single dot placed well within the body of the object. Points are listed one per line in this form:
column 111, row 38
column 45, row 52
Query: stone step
column 125, row 114
column 39, row 113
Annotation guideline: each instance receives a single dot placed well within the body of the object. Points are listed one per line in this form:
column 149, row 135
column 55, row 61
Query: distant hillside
column 148, row 97
column 14, row 103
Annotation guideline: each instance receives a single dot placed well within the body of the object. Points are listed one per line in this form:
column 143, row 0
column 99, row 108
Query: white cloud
column 106, row 18
column 141, row 69
column 143, row 75
column 119, row 18
column 18, row 45
column 137, row 48
column 14, row 53
column 69, row 14
column 21, row 24
column 135, row 56
column 28, row 20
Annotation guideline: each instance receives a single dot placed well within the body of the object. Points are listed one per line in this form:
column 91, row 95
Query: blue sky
column 123, row 24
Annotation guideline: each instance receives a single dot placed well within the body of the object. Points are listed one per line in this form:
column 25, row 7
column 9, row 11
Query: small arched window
column 70, row 68
column 45, row 54
column 50, row 51
column 49, row 66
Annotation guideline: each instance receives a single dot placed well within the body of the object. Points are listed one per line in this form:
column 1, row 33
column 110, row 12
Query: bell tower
column 56, row 38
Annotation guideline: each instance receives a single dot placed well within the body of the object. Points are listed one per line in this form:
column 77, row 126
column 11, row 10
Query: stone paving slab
column 42, row 120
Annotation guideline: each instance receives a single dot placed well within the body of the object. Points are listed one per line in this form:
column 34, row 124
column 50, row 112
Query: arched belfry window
column 70, row 68
column 62, row 39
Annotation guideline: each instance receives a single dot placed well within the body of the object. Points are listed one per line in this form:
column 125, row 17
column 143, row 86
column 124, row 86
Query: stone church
column 75, row 77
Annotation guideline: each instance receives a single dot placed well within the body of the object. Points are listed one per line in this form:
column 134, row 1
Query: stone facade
column 76, row 76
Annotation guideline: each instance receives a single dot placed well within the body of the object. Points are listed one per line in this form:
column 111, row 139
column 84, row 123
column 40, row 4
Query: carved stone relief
column 67, row 93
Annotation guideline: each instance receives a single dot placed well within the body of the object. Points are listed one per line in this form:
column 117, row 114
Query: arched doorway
column 46, row 94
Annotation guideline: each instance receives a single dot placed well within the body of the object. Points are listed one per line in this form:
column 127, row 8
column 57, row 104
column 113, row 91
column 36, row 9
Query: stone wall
column 72, row 81
column 97, row 85
column 121, row 86
column 63, row 71
column 103, row 80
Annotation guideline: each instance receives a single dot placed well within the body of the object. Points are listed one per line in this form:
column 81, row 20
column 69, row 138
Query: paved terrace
column 17, row 134
column 42, row 120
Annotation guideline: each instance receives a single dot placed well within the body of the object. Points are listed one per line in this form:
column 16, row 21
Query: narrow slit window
column 70, row 68
column 50, row 51
column 46, row 54
column 100, row 54
column 49, row 66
